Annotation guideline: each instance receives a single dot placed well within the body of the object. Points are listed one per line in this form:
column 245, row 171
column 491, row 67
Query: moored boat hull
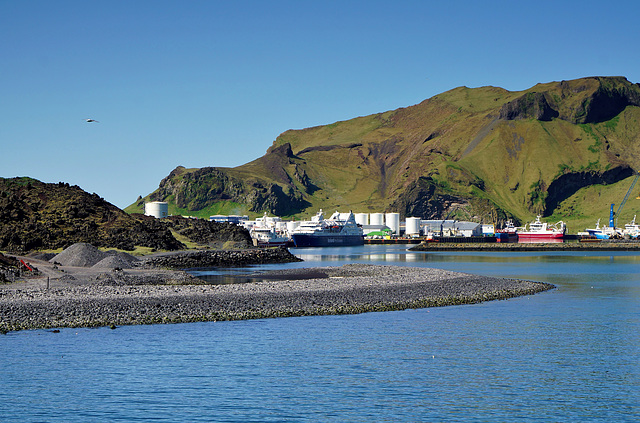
column 308, row 240
column 526, row 235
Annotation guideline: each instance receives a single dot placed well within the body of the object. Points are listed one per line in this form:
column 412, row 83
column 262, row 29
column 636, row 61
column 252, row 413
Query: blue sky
column 213, row 83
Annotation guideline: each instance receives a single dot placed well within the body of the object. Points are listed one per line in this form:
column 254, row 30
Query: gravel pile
column 38, row 255
column 82, row 254
column 348, row 289
column 117, row 259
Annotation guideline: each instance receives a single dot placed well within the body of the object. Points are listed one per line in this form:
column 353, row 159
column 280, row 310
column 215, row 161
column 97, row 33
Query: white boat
column 264, row 232
column 632, row 229
column 508, row 233
column 597, row 232
column 539, row 230
column 332, row 232
column 267, row 237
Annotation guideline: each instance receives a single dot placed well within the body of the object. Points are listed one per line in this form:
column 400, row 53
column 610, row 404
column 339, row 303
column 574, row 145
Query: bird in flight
column 91, row 120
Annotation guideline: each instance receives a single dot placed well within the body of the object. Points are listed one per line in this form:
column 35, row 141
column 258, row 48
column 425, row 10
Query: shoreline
column 350, row 289
column 534, row 246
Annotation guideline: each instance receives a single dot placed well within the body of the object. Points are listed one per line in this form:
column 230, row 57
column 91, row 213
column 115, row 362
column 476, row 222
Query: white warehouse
column 452, row 227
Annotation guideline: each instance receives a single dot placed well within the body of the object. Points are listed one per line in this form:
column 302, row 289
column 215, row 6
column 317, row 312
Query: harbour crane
column 612, row 215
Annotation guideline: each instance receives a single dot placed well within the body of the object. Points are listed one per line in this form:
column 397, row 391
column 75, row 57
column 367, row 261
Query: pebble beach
column 87, row 296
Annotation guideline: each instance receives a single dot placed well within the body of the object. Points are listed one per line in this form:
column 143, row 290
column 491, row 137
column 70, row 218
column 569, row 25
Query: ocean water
column 570, row 354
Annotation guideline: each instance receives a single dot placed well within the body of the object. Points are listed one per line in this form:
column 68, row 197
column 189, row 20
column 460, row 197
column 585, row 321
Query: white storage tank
column 392, row 220
column 377, row 219
column 157, row 209
column 362, row 218
column 412, row 226
column 291, row 226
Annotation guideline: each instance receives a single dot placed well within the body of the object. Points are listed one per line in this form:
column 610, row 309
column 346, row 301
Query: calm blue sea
column 570, row 354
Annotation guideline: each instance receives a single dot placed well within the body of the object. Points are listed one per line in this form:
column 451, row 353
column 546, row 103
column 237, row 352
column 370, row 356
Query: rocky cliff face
column 529, row 106
column 592, row 100
column 203, row 187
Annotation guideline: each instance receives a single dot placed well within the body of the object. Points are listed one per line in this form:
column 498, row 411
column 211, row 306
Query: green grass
column 589, row 204
column 220, row 207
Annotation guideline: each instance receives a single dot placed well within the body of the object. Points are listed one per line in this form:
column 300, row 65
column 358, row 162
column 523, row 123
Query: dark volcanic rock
column 9, row 268
column 205, row 232
column 207, row 258
column 530, row 105
column 424, row 199
column 35, row 215
column 609, row 100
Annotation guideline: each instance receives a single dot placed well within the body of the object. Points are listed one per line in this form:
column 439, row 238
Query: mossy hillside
column 338, row 133
column 589, row 204
column 35, row 215
column 42, row 216
column 524, row 156
column 488, row 150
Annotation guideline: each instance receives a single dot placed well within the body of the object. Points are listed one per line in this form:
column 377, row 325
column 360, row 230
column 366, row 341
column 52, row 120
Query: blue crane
column 612, row 215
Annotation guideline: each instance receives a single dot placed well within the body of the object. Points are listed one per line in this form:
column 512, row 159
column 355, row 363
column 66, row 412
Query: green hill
column 565, row 150
column 42, row 216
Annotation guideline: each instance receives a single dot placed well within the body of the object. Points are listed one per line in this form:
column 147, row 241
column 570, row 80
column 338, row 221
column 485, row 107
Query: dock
column 392, row 241
column 614, row 245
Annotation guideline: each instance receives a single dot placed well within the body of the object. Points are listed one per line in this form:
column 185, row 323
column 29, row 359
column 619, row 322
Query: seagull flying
column 91, row 120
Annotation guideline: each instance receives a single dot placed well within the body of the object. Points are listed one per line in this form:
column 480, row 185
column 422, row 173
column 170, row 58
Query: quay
column 448, row 239
column 392, row 241
column 605, row 245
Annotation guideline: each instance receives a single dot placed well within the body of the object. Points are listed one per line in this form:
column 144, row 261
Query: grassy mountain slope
column 482, row 153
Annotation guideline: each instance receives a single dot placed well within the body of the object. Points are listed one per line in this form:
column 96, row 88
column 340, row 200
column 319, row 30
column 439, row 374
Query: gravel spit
column 126, row 297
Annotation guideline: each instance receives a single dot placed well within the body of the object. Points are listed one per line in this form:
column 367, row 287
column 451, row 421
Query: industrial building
column 451, row 228
column 228, row 219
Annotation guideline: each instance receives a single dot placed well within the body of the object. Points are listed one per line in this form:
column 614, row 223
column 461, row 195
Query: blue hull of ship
column 303, row 240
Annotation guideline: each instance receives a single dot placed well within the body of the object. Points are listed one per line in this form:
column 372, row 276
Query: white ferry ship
column 332, row 232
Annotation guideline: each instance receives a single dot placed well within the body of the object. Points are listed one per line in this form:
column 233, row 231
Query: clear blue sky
column 213, row 83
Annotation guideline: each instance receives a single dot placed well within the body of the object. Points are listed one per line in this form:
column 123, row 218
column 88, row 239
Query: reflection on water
column 540, row 241
column 569, row 354
column 529, row 265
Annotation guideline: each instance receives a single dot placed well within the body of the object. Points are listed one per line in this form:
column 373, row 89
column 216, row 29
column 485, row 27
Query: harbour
column 569, row 354
column 349, row 229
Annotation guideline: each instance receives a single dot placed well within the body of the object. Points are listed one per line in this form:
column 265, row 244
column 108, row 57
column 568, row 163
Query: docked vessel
column 632, row 229
column 267, row 231
column 597, row 232
column 332, row 232
column 538, row 230
column 508, row 233
column 267, row 237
